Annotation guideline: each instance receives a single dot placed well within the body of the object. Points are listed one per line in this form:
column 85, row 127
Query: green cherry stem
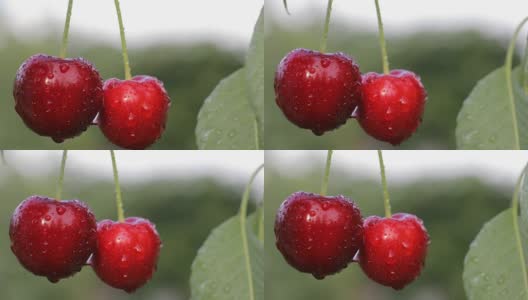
column 60, row 183
column 509, row 83
column 243, row 231
column 2, row 155
column 515, row 213
column 65, row 33
column 324, row 39
column 324, row 185
column 119, row 199
column 382, row 42
column 126, row 62
column 386, row 198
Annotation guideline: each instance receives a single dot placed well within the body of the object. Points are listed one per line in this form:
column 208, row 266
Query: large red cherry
column 57, row 97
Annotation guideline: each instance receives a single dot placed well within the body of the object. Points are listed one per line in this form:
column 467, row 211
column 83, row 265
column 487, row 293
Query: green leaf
column 492, row 268
column 485, row 120
column 255, row 72
column 226, row 120
column 219, row 271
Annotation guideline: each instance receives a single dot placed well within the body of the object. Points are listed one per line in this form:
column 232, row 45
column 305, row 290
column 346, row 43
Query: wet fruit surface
column 392, row 105
column 57, row 97
column 127, row 252
column 317, row 91
column 394, row 249
column 52, row 238
column 317, row 234
column 134, row 111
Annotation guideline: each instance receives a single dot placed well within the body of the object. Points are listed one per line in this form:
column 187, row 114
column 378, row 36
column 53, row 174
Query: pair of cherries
column 322, row 235
column 320, row 92
column 56, row 239
column 60, row 98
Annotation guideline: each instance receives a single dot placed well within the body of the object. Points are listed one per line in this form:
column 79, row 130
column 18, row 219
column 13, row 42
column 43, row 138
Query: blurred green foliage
column 184, row 211
column 189, row 72
column 449, row 63
column 453, row 210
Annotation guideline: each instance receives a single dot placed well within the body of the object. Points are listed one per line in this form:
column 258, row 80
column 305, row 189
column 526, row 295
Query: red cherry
column 392, row 106
column 57, row 97
column 317, row 91
column 394, row 249
column 134, row 111
column 127, row 253
column 317, row 234
column 52, row 238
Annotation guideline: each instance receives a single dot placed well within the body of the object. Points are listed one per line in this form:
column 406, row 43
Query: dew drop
column 61, row 210
column 64, row 68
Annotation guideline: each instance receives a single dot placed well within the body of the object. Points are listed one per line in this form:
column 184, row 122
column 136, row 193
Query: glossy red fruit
column 134, row 111
column 392, row 105
column 317, row 91
column 52, row 238
column 57, row 97
column 317, row 234
column 394, row 249
column 127, row 253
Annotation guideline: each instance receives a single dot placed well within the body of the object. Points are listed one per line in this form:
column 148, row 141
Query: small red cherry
column 52, row 238
column 57, row 97
column 318, row 234
column 394, row 249
column 134, row 111
column 317, row 91
column 392, row 105
column 127, row 253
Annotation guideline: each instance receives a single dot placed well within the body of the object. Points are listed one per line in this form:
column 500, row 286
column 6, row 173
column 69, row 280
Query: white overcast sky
column 229, row 167
column 410, row 15
column 495, row 167
column 228, row 22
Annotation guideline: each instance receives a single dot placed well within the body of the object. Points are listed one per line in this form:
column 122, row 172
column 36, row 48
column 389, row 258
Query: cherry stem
column 324, row 185
column 382, row 42
column 524, row 70
column 261, row 224
column 515, row 212
column 256, row 132
column 119, row 199
column 2, row 155
column 386, row 198
column 66, row 31
column 324, row 40
column 60, row 183
column 243, row 230
column 509, row 83
column 126, row 62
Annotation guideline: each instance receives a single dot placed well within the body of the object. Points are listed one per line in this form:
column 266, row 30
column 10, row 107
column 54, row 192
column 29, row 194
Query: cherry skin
column 52, row 238
column 392, row 105
column 127, row 252
column 318, row 234
column 394, row 249
column 134, row 111
column 317, row 91
column 57, row 97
